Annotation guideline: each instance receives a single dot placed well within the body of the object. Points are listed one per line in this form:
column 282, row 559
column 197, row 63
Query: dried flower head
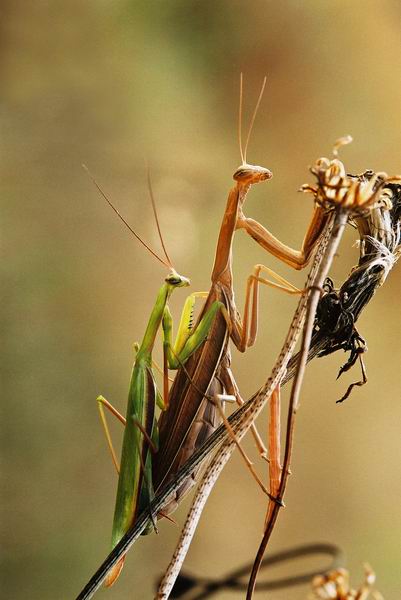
column 335, row 586
column 337, row 189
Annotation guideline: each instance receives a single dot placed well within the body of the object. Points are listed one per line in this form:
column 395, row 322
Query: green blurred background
column 109, row 83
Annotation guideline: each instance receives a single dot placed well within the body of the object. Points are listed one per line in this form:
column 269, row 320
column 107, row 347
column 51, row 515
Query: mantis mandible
column 135, row 488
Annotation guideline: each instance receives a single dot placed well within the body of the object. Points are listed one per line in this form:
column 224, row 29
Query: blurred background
column 108, row 84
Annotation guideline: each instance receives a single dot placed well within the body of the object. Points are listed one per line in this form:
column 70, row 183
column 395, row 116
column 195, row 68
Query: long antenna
column 122, row 218
column 152, row 198
column 240, row 118
column 254, row 116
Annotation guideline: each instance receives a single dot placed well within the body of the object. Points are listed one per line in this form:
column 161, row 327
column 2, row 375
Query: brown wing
column 184, row 399
column 205, row 422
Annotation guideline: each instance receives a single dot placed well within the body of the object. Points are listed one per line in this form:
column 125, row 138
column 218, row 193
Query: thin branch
column 338, row 229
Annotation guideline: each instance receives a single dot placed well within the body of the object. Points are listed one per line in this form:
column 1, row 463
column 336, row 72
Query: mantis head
column 176, row 280
column 248, row 174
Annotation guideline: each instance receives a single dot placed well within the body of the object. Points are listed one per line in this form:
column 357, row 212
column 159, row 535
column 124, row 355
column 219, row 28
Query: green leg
column 102, row 402
column 186, row 344
column 185, row 327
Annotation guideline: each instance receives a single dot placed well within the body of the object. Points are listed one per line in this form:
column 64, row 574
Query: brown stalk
column 274, row 449
column 313, row 299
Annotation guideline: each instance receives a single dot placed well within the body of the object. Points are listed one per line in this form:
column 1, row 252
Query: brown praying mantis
column 191, row 416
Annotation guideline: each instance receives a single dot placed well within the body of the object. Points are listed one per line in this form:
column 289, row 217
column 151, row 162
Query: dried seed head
column 337, row 189
column 335, row 586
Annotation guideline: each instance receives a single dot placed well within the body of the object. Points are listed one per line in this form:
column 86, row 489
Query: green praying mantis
column 135, row 488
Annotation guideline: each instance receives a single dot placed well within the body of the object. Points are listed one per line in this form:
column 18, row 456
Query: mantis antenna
column 240, row 119
column 109, row 202
column 152, row 198
column 254, row 116
column 243, row 152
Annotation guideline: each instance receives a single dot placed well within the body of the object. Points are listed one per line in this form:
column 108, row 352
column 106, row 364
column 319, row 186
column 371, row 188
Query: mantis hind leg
column 274, row 447
column 217, row 399
column 231, row 387
column 102, row 404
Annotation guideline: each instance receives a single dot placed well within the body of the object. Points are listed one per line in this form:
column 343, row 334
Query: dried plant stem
column 274, row 434
column 338, row 228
